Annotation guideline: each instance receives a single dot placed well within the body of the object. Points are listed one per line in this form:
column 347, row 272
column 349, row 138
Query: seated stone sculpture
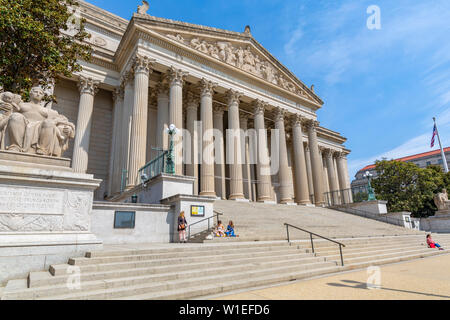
column 32, row 128
column 441, row 201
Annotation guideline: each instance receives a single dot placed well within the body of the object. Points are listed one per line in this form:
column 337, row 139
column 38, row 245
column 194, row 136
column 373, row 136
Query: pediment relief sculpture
column 241, row 57
column 28, row 127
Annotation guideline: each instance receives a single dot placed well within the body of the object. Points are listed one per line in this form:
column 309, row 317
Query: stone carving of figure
column 230, row 55
column 213, row 51
column 240, row 57
column 269, row 73
column 199, row 45
column 34, row 129
column 8, row 103
column 441, row 201
column 249, row 61
column 176, row 37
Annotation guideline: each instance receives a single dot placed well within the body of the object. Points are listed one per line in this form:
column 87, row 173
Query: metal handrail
column 311, row 234
column 209, row 225
column 154, row 167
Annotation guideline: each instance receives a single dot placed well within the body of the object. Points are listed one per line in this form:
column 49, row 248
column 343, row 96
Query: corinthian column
column 88, row 88
column 309, row 171
column 162, row 122
column 176, row 78
column 138, row 148
column 343, row 177
column 219, row 167
column 316, row 163
column 301, row 177
column 283, row 173
column 333, row 183
column 128, row 84
column 191, row 119
column 115, row 154
column 234, row 144
column 245, row 157
column 206, row 114
column 263, row 162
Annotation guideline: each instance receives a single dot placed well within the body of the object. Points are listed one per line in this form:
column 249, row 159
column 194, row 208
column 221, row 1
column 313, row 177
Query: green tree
column 39, row 40
column 407, row 187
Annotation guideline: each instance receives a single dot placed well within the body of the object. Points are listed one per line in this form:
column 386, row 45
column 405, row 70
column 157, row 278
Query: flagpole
column 444, row 160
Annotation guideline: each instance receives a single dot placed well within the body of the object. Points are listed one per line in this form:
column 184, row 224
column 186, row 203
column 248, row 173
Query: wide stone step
column 173, row 255
column 62, row 269
column 230, row 284
column 39, row 279
column 113, row 289
column 208, row 256
column 184, row 248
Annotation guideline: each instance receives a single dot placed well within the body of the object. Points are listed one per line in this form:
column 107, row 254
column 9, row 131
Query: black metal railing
column 311, row 234
column 216, row 215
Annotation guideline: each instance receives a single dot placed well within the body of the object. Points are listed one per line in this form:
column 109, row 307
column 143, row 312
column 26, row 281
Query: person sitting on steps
column 220, row 230
column 432, row 244
column 230, row 230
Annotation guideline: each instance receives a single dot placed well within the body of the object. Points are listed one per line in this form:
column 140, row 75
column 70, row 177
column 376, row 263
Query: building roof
column 409, row 158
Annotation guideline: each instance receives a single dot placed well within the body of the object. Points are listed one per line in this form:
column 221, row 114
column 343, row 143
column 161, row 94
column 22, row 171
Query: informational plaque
column 197, row 211
column 27, row 200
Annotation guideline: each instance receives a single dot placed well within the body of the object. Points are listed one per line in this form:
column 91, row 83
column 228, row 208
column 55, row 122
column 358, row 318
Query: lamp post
column 170, row 163
column 370, row 190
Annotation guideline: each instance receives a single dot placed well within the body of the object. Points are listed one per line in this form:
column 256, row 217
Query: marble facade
column 147, row 73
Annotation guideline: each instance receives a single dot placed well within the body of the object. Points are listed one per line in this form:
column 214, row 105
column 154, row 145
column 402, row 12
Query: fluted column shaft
column 88, row 89
column 334, row 187
column 162, row 121
column 343, row 177
column 128, row 83
column 316, row 164
column 309, row 171
column 301, row 177
column 219, row 148
column 191, row 119
column 263, row 162
column 176, row 78
column 138, row 143
column 283, row 173
column 206, row 115
column 115, row 154
column 236, row 186
column 245, row 158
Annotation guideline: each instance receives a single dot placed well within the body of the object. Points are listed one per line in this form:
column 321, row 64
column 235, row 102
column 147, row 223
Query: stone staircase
column 187, row 271
column 265, row 222
column 260, row 256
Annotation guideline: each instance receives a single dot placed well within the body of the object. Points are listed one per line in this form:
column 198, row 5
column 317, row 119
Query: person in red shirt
column 432, row 244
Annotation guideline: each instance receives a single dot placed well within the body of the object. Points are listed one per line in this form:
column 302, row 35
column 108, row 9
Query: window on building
column 428, row 163
column 440, row 161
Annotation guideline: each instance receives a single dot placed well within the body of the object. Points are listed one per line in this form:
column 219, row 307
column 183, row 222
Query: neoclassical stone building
column 149, row 72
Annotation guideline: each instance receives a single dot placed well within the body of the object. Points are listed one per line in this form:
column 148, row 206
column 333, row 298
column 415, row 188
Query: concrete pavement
column 419, row 279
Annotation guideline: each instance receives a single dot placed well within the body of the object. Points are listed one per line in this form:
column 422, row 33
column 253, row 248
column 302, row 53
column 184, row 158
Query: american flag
column 434, row 135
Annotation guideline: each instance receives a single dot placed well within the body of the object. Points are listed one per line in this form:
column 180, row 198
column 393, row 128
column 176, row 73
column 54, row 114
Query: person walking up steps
column 182, row 225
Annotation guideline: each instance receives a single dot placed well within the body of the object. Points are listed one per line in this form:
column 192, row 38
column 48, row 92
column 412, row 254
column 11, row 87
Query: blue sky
column 381, row 88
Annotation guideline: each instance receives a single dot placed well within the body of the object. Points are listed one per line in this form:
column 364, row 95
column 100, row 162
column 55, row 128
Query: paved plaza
column 415, row 280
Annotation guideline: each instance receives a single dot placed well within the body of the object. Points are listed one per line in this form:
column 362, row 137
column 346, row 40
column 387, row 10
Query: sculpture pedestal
column 44, row 214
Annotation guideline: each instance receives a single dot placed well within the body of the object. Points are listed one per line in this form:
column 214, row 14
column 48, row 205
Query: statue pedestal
column 45, row 213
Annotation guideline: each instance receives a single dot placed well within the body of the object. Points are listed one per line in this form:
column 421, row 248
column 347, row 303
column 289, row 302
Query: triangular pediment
column 238, row 50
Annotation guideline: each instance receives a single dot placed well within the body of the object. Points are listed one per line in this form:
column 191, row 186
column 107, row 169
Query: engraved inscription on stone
column 14, row 200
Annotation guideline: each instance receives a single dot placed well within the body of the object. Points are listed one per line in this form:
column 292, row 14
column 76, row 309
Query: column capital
column 243, row 115
column 118, row 93
column 142, row 64
column 162, row 88
column 218, row 109
column 87, row 85
column 259, row 107
column 328, row 153
column 207, row 87
column 176, row 76
column 233, row 96
column 127, row 77
column 297, row 120
column 310, row 124
column 279, row 114
column 192, row 100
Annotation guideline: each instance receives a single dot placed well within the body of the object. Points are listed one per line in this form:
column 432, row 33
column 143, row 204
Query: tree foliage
column 406, row 187
column 39, row 40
